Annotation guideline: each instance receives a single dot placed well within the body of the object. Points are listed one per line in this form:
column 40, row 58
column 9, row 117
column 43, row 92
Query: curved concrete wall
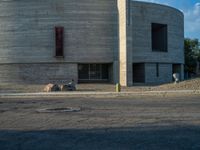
column 95, row 31
column 142, row 15
column 27, row 30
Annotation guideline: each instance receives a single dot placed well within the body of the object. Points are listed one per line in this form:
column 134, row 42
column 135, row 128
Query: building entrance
column 138, row 73
column 93, row 73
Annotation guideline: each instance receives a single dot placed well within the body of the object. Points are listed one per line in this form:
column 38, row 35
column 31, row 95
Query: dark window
column 176, row 68
column 83, row 71
column 93, row 72
column 104, row 69
column 157, row 69
column 159, row 37
column 139, row 73
column 59, row 41
column 129, row 12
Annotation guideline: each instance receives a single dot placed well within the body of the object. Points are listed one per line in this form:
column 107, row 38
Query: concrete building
column 124, row 41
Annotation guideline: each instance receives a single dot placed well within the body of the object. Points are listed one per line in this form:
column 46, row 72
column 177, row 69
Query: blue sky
column 191, row 10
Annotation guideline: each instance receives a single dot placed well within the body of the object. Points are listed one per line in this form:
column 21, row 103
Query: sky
column 191, row 10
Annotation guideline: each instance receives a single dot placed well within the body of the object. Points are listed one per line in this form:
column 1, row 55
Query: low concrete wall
column 38, row 73
column 165, row 73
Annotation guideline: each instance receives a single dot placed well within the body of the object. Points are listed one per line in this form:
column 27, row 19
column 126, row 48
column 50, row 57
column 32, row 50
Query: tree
column 192, row 54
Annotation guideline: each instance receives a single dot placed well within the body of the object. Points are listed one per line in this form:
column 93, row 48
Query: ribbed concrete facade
column 142, row 16
column 114, row 32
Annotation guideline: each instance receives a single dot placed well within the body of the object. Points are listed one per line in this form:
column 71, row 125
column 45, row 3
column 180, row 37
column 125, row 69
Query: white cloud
column 192, row 19
column 197, row 9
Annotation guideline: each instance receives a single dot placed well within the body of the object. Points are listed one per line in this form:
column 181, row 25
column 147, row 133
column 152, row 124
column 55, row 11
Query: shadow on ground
column 141, row 138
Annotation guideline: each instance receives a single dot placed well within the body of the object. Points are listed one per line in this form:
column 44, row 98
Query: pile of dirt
column 192, row 84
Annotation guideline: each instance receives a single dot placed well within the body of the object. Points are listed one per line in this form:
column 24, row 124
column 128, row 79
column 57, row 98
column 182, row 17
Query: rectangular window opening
column 159, row 37
column 176, row 68
column 157, row 69
column 59, row 39
column 138, row 73
column 93, row 73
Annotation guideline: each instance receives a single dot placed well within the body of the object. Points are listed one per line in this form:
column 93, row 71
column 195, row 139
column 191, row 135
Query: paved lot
column 141, row 122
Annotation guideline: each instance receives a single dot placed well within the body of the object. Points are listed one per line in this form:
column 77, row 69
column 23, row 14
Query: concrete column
column 125, row 44
column 129, row 48
column 122, row 42
column 182, row 72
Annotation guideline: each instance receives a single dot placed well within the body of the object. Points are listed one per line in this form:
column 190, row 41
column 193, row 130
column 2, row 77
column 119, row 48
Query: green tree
column 192, row 54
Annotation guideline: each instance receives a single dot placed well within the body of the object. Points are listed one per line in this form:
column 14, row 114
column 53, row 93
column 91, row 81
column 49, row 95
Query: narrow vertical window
column 157, row 69
column 129, row 12
column 59, row 39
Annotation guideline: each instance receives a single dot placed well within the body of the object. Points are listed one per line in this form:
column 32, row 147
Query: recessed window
column 93, row 72
column 159, row 37
column 138, row 73
column 157, row 69
column 59, row 38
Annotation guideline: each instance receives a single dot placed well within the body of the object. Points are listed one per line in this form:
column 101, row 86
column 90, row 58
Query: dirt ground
column 193, row 84
column 140, row 122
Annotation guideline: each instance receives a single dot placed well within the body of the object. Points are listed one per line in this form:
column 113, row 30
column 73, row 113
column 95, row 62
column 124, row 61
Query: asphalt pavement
column 138, row 122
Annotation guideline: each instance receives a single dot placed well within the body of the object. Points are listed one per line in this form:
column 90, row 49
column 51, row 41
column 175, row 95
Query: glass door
column 93, row 72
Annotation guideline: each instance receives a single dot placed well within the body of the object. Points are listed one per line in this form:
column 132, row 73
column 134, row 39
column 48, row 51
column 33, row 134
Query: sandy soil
column 193, row 84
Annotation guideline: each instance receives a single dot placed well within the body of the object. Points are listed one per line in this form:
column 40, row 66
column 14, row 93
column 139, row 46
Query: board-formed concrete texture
column 114, row 32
